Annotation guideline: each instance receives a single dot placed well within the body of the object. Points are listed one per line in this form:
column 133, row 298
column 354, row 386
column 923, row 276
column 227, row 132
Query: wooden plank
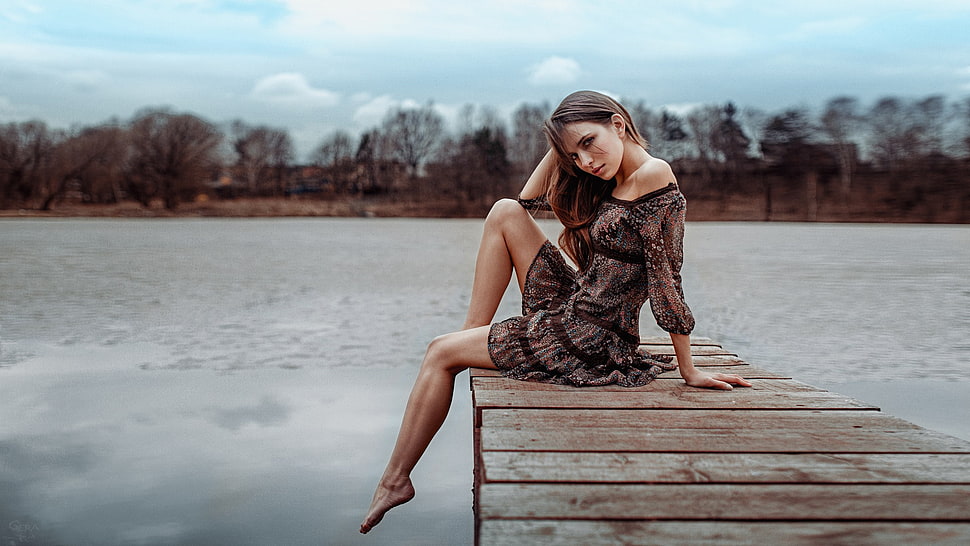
column 726, row 501
column 529, row 466
column 611, row 533
column 701, row 419
column 794, row 441
column 795, row 431
column 480, row 372
column 696, row 350
column 665, row 340
column 763, row 394
column 782, row 462
column 493, row 383
column 714, row 360
column 740, row 367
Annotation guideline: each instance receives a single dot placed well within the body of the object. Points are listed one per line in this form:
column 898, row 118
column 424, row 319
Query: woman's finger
column 733, row 378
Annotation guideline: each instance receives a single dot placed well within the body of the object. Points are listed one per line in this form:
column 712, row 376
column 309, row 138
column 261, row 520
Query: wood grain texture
column 617, row 467
column 610, row 533
column 759, row 502
column 495, row 392
column 782, row 462
column 704, row 430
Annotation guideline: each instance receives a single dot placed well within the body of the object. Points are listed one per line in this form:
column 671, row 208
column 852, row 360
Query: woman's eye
column 588, row 141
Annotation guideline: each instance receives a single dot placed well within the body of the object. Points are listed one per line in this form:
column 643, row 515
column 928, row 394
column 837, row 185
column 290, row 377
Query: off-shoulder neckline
column 645, row 197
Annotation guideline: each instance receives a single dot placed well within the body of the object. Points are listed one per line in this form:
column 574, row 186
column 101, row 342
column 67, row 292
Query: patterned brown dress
column 583, row 329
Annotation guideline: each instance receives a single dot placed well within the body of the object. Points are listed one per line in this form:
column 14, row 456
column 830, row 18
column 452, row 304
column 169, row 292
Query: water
column 241, row 381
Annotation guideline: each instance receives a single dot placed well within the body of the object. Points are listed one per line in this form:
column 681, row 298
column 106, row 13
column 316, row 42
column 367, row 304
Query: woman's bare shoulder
column 658, row 168
column 654, row 174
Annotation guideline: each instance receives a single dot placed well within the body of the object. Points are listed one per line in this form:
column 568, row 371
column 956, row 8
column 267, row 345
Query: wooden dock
column 781, row 462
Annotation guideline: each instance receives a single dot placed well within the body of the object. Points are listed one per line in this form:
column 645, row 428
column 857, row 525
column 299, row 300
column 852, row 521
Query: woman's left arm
column 665, row 258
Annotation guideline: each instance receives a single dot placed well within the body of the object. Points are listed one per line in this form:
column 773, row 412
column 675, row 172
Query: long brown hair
column 573, row 194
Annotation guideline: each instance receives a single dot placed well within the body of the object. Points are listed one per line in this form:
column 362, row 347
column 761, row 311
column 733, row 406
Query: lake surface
column 241, row 381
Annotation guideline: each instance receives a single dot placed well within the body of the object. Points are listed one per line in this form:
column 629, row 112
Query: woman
column 623, row 219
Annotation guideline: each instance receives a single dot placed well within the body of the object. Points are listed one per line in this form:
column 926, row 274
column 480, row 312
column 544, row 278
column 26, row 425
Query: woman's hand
column 722, row 381
column 697, row 378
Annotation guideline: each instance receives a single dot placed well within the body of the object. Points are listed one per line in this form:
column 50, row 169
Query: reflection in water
column 241, row 382
column 190, row 457
column 267, row 413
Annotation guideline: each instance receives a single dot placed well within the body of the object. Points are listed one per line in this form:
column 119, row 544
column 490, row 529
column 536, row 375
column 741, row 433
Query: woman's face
column 595, row 148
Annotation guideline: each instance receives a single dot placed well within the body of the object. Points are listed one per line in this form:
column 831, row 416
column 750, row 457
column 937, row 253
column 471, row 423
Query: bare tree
column 412, row 135
column 643, row 118
column 170, row 155
column 481, row 166
column 840, row 122
column 964, row 108
column 754, row 121
column 336, row 147
column 90, row 160
column 787, row 144
column 731, row 143
column 729, row 138
column 528, row 141
column 674, row 138
column 367, row 158
column 890, row 133
column 261, row 153
column 26, row 151
column 704, row 122
column 928, row 121
column 281, row 156
column 335, row 155
column 786, row 138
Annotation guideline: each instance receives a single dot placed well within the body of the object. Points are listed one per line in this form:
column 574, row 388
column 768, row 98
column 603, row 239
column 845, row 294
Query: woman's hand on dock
column 704, row 380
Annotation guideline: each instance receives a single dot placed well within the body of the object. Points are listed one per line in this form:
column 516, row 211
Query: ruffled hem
column 636, row 371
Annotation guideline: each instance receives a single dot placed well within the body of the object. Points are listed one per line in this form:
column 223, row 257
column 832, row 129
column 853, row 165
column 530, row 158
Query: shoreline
column 699, row 210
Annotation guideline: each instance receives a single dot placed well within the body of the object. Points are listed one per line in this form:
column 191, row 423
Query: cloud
column 267, row 413
column 372, row 112
column 6, row 107
column 11, row 112
column 293, row 88
column 963, row 73
column 682, row 108
column 361, row 17
column 20, row 12
column 822, row 28
column 555, row 71
column 86, row 80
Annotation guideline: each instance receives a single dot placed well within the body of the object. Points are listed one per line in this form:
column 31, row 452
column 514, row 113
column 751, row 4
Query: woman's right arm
column 538, row 182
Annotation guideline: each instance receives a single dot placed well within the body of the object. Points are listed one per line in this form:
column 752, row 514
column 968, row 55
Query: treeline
column 895, row 159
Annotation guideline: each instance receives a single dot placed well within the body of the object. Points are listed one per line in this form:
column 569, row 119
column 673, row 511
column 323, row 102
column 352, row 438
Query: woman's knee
column 505, row 210
column 442, row 354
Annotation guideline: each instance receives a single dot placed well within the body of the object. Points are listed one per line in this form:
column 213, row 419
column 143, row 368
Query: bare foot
column 386, row 497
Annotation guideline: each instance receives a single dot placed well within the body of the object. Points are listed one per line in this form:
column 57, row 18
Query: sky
column 314, row 66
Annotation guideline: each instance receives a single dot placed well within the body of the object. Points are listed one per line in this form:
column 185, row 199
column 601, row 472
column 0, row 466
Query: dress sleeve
column 534, row 204
column 663, row 238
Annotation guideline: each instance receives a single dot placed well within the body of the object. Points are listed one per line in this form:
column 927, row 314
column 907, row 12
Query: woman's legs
column 426, row 410
column 511, row 240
